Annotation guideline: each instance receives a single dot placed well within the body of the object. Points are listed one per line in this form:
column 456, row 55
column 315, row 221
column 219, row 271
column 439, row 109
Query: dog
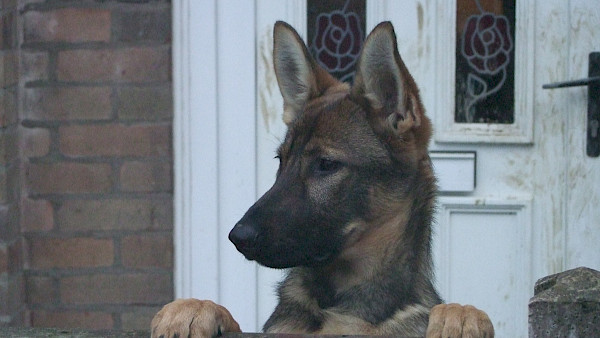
column 350, row 212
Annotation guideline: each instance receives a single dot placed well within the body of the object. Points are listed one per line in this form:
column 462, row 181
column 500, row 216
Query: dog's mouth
column 279, row 253
column 285, row 257
column 250, row 254
column 283, row 263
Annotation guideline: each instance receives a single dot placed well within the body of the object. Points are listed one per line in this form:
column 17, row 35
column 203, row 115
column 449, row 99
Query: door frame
column 208, row 204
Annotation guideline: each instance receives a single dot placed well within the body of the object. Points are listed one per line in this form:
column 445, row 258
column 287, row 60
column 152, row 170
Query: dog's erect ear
column 299, row 77
column 383, row 82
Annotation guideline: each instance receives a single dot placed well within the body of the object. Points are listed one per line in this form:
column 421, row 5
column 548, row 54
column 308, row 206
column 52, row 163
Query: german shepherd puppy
column 350, row 212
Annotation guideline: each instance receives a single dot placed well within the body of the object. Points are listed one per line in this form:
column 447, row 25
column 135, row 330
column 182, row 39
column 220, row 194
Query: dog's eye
column 327, row 166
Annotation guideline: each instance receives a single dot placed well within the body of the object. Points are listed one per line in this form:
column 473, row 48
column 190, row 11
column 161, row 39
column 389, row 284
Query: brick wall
column 95, row 147
column 12, row 308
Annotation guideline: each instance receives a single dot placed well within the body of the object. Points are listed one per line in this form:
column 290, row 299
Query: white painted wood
column 583, row 173
column 483, row 258
column 545, row 167
column 521, row 131
column 455, row 171
column 195, row 150
column 376, row 13
column 213, row 136
column 236, row 67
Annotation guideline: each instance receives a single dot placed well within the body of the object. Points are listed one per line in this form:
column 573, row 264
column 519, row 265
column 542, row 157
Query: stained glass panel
column 485, row 61
column 335, row 34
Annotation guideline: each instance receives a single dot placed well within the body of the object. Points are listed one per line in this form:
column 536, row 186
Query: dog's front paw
column 455, row 320
column 192, row 318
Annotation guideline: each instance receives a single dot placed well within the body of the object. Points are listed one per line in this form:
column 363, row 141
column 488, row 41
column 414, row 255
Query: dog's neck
column 369, row 252
column 372, row 260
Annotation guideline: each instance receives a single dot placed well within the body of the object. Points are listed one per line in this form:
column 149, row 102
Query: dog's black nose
column 244, row 237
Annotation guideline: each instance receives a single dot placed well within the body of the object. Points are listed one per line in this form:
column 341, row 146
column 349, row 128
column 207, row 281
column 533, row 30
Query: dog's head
column 350, row 157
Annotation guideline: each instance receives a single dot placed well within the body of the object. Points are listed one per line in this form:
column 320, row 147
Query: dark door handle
column 573, row 83
column 593, row 113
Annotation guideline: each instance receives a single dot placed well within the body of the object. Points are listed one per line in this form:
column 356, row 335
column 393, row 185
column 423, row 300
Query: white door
column 523, row 207
column 533, row 211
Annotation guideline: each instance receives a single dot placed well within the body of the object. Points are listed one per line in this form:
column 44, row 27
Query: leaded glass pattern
column 335, row 34
column 485, row 61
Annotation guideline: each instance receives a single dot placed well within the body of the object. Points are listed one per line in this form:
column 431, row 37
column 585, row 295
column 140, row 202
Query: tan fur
column 194, row 318
column 369, row 250
column 454, row 320
column 338, row 323
column 341, row 324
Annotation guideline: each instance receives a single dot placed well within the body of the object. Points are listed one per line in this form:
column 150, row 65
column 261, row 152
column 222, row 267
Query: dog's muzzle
column 245, row 238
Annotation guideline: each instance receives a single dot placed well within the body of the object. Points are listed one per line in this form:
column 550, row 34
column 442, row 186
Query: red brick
column 9, row 149
column 72, row 319
column 145, row 103
column 8, row 68
column 9, row 187
column 70, row 252
column 34, row 66
column 68, row 25
column 115, row 140
column 66, row 177
column 67, row 103
column 144, row 251
column 8, row 108
column 3, row 258
column 15, row 257
column 3, row 65
column 146, row 176
column 117, row 214
column 34, row 142
column 139, row 319
column 3, row 186
column 36, row 215
column 136, row 64
column 9, row 4
column 9, row 30
column 11, row 294
column 139, row 288
column 9, row 222
column 153, row 24
column 41, row 290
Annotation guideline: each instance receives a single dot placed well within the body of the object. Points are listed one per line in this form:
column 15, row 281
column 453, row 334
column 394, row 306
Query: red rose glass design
column 338, row 41
column 486, row 45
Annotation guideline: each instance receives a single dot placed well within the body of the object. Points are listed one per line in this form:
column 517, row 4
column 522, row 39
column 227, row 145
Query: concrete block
column 566, row 304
